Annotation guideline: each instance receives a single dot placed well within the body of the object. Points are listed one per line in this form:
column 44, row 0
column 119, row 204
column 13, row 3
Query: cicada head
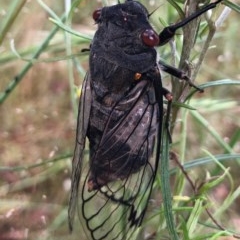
column 124, row 31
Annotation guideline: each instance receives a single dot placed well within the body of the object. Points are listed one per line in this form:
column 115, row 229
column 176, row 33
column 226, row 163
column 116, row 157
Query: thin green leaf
column 30, row 181
column 231, row 198
column 235, row 138
column 213, row 182
column 69, row 30
column 211, row 130
column 232, row 5
column 73, row 7
column 13, row 11
column 194, row 217
column 15, row 81
column 183, row 105
column 48, row 10
column 165, row 183
column 35, row 165
column 220, row 234
column 214, row 105
column 178, row 8
column 216, row 83
column 207, row 160
column 221, row 166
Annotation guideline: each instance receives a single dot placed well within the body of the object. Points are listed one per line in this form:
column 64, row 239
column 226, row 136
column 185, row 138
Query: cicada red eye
column 150, row 38
column 96, row 14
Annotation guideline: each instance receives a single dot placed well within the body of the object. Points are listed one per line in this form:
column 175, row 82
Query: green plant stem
column 212, row 131
column 13, row 12
column 68, row 41
column 15, row 81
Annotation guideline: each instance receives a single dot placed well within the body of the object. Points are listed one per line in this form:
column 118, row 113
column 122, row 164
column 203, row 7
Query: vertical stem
column 68, row 40
column 25, row 69
column 189, row 36
column 14, row 10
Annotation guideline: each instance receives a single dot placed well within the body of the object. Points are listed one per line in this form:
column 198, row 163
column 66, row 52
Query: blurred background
column 38, row 115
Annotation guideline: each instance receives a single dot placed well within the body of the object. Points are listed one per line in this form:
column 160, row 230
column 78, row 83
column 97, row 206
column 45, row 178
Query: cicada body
column 120, row 114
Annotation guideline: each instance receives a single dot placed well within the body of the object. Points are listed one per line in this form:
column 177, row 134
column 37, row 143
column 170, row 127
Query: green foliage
column 196, row 199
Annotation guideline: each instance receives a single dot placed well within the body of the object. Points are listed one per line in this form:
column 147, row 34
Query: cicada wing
column 119, row 181
column 82, row 125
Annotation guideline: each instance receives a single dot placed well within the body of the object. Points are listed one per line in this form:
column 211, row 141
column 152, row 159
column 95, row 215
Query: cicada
column 121, row 114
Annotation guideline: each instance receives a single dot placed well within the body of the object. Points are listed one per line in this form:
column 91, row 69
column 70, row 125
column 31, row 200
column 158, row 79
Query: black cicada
column 120, row 112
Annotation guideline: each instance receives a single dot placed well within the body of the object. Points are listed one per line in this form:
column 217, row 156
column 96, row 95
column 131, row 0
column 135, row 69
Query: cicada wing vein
column 82, row 125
